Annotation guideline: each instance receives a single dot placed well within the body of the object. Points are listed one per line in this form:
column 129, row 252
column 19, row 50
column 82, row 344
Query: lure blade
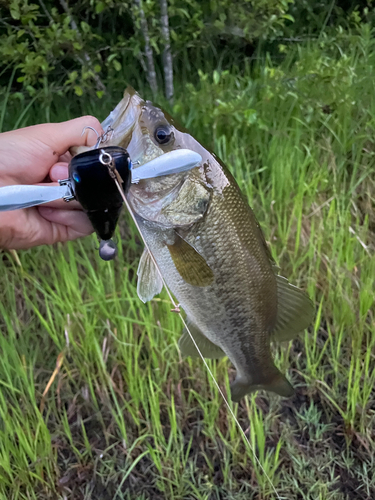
column 16, row 197
column 173, row 162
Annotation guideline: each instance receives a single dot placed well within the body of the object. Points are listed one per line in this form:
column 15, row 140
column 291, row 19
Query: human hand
column 34, row 155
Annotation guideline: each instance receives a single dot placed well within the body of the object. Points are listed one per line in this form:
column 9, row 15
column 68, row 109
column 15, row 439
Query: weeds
column 125, row 417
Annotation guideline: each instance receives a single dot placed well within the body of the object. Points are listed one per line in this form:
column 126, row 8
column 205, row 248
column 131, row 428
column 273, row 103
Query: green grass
column 126, row 417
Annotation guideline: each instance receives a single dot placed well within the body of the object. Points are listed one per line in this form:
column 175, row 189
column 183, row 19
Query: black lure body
column 97, row 192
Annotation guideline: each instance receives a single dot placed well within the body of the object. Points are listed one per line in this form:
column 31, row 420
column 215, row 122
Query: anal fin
column 206, row 347
column 150, row 282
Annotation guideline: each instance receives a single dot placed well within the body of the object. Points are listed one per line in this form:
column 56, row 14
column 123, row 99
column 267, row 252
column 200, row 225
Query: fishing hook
column 105, row 135
column 100, row 138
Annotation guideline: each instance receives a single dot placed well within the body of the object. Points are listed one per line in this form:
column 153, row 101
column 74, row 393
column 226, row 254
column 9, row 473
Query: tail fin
column 278, row 384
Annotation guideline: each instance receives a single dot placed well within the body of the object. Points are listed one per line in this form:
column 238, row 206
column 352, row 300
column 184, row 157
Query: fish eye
column 163, row 134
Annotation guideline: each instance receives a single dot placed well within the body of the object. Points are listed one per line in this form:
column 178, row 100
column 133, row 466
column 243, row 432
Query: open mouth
column 129, row 130
column 123, row 120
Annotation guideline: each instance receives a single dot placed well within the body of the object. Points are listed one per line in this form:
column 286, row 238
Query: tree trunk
column 167, row 54
column 151, row 73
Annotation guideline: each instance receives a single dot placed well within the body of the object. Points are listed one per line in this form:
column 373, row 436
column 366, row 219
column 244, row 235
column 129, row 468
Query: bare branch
column 167, row 54
column 46, row 11
column 151, row 73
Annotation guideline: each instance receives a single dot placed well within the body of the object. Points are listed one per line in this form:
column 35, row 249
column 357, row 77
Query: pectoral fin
column 295, row 311
column 206, row 347
column 190, row 264
column 149, row 280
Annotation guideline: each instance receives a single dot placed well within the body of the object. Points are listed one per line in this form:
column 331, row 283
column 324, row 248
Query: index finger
column 27, row 154
column 62, row 136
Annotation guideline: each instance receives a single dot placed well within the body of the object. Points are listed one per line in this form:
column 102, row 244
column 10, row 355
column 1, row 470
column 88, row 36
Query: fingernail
column 58, row 173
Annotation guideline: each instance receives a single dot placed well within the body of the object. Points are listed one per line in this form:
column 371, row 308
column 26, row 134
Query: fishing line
column 111, row 166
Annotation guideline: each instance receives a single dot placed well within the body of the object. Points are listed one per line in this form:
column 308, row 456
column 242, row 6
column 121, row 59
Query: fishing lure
column 91, row 183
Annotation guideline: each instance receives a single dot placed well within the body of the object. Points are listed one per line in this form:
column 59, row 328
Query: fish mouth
column 124, row 121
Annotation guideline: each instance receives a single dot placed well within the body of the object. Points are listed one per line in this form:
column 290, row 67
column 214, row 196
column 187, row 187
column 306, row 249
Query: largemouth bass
column 211, row 253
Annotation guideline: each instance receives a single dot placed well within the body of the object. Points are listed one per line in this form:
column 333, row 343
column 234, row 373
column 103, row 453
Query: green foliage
column 50, row 50
column 79, row 47
column 312, row 17
column 85, row 46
